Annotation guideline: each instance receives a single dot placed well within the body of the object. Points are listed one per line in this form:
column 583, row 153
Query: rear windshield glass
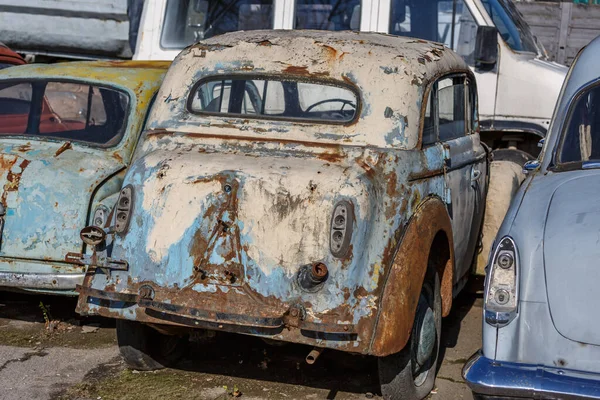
column 63, row 110
column 329, row 15
column 273, row 98
column 188, row 21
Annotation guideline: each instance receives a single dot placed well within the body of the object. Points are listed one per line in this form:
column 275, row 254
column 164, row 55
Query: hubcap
column 424, row 337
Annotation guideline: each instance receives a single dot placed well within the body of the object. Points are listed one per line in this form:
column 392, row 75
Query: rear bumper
column 513, row 380
column 288, row 325
column 22, row 280
column 40, row 275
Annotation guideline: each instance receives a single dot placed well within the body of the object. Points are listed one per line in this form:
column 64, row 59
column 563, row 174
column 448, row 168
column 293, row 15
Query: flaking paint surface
column 217, row 194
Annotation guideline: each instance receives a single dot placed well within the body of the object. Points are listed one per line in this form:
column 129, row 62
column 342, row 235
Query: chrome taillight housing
column 501, row 294
column 123, row 209
column 340, row 233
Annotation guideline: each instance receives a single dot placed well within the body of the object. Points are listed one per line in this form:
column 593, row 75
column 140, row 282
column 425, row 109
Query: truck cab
column 517, row 86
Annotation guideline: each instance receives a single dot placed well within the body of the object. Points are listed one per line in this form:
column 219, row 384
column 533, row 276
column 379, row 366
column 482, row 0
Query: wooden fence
column 562, row 27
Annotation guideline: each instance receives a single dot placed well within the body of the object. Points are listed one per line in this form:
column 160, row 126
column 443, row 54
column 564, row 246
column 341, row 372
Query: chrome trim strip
column 56, row 281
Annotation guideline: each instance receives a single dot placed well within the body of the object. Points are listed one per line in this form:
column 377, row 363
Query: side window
column 188, row 21
column 581, row 138
column 471, row 101
column 445, row 21
column 327, row 15
column 451, row 108
column 15, row 103
column 429, row 132
column 465, row 33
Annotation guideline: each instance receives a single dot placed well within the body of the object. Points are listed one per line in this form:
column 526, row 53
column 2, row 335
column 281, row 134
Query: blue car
column 541, row 335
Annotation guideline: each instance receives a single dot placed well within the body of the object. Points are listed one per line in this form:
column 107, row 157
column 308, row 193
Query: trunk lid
column 571, row 254
column 198, row 219
column 46, row 192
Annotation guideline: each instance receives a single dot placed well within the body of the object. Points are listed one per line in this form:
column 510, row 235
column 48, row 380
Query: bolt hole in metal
column 312, row 277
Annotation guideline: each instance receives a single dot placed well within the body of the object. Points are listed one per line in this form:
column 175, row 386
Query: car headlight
column 501, row 294
column 123, row 209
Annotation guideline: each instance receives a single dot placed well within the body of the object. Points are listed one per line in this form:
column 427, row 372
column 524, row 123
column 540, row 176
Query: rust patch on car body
column 219, row 239
column 66, row 146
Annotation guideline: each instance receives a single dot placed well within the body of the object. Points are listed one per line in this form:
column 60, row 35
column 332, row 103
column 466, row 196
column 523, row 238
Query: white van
column 517, row 87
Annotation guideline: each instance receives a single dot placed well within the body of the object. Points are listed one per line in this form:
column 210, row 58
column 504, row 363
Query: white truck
column 517, row 86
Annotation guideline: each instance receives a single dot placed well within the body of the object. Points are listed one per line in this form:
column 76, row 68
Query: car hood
column 46, row 191
column 532, row 78
column 571, row 254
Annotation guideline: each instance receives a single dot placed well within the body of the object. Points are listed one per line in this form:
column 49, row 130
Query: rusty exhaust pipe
column 313, row 355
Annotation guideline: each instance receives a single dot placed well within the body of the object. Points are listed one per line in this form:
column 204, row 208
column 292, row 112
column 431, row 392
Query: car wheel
column 410, row 374
column 144, row 348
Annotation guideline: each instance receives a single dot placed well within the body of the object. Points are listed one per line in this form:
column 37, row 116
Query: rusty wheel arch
column 429, row 228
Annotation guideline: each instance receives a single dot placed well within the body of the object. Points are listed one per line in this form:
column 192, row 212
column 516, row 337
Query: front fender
column 429, row 228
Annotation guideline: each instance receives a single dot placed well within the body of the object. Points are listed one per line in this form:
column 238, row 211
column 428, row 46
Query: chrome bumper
column 41, row 281
column 492, row 378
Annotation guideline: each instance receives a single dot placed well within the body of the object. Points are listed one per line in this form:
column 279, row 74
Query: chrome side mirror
column 531, row 166
column 541, row 142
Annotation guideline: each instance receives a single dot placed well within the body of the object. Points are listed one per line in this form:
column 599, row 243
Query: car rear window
column 63, row 110
column 275, row 98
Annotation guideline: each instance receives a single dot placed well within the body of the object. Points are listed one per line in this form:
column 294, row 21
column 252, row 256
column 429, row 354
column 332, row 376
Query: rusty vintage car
column 67, row 134
column 312, row 187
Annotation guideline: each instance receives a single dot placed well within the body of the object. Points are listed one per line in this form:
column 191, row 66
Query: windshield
column 274, row 98
column 581, row 138
column 510, row 24
column 63, row 110
column 330, row 15
column 188, row 21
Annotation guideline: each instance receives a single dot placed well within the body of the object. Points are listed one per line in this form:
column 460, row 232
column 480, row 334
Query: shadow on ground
column 261, row 370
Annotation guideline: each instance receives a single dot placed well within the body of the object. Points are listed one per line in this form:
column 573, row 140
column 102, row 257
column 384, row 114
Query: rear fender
column 429, row 230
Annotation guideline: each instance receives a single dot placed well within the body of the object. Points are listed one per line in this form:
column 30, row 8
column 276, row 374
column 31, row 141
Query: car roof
column 389, row 71
column 326, row 53
column 127, row 74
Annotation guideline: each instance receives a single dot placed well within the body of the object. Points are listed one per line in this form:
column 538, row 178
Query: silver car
column 541, row 335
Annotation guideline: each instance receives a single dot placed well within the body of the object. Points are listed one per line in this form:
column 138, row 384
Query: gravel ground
column 48, row 352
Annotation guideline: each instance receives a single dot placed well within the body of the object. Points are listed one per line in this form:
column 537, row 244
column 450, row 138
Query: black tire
column 396, row 372
column 145, row 349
